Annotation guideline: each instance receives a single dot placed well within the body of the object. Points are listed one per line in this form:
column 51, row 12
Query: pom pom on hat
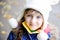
column 13, row 22
column 42, row 36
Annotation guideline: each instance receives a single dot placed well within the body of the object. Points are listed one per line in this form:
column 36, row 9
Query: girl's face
column 33, row 19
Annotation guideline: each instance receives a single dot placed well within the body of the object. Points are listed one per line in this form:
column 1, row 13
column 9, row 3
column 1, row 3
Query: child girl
column 33, row 25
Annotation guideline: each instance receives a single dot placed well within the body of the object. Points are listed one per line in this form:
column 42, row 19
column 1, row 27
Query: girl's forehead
column 31, row 10
column 34, row 13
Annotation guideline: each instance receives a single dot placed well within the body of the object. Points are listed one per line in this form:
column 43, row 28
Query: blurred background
column 14, row 8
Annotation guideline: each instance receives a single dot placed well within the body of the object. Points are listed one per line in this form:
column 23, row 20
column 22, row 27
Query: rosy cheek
column 28, row 20
column 40, row 21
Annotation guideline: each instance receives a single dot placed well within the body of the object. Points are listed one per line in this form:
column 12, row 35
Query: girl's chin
column 34, row 28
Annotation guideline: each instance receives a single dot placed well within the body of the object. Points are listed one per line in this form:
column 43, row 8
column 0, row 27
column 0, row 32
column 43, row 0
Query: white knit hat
column 43, row 6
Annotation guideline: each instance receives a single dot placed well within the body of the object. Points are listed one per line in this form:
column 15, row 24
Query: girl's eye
column 38, row 16
column 28, row 15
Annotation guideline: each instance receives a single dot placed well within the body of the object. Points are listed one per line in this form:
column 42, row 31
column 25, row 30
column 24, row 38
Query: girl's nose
column 33, row 20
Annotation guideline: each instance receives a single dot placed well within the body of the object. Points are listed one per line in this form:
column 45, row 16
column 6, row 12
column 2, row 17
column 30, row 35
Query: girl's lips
column 32, row 25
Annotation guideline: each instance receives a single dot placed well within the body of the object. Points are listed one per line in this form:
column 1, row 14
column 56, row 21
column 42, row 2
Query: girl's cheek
column 27, row 20
column 40, row 21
